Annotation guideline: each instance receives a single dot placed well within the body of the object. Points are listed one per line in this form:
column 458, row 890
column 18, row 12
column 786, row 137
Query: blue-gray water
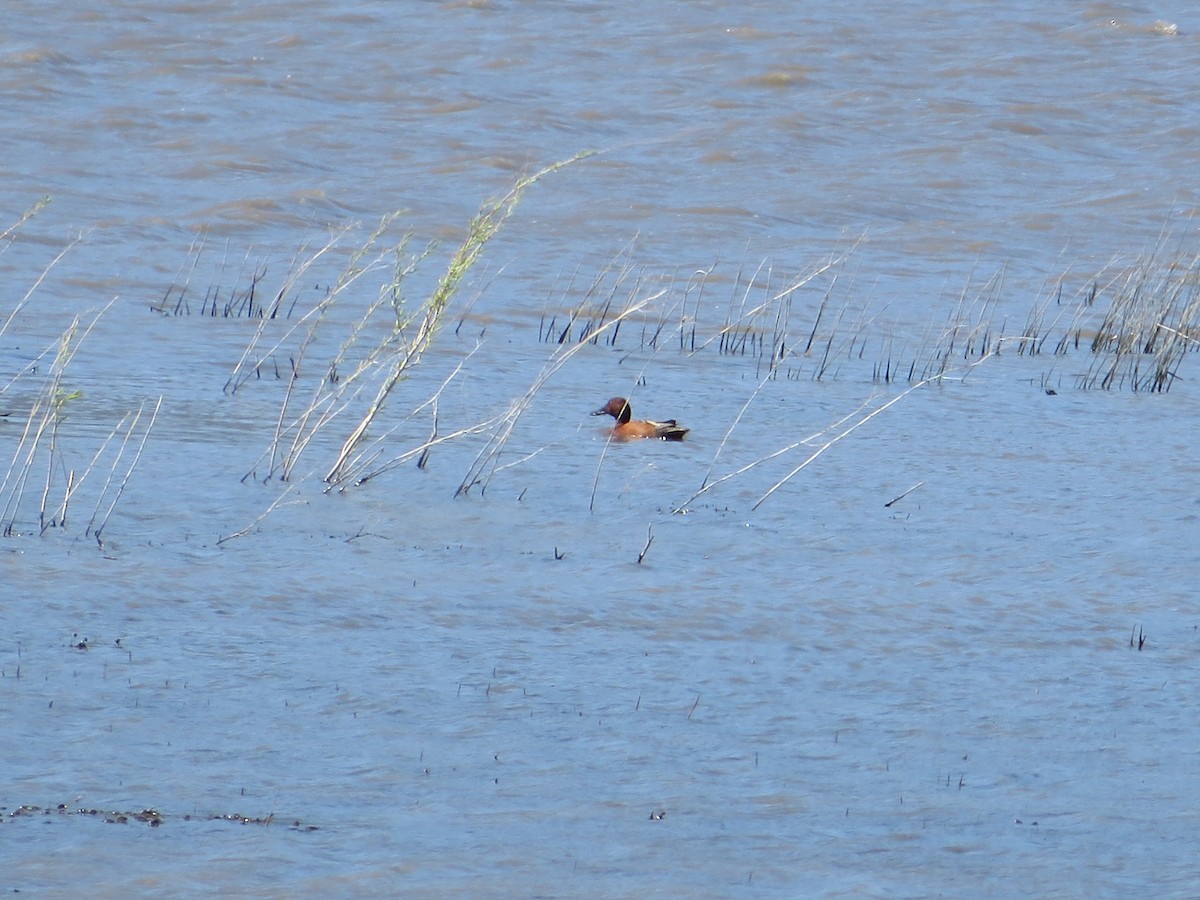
column 489, row 695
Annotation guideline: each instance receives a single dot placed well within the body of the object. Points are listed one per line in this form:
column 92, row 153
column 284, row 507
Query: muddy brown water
column 821, row 695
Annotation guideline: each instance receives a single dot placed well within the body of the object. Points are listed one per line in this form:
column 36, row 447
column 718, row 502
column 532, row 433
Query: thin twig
column 132, row 465
column 709, row 485
column 863, row 421
column 902, row 496
column 291, row 488
column 649, row 541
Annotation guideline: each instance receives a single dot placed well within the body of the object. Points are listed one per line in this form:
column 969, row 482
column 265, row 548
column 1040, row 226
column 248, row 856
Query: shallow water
column 821, row 694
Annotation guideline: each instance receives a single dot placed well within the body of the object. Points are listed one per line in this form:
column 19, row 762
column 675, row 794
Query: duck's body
column 630, row 429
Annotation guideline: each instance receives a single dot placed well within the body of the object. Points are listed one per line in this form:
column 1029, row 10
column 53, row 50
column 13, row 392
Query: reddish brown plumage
column 628, row 428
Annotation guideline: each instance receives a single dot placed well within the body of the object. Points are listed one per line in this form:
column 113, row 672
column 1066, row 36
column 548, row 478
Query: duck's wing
column 669, row 430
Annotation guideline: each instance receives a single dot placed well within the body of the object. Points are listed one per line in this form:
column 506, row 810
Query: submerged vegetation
column 1136, row 323
column 337, row 362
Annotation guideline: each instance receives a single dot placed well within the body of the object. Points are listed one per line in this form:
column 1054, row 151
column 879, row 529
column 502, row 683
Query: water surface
column 405, row 690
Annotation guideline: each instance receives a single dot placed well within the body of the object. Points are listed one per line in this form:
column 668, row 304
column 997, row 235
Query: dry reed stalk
column 1181, row 335
column 732, row 337
column 858, row 424
column 971, row 320
column 864, row 318
column 1072, row 334
column 28, row 446
column 359, row 468
column 423, row 459
column 546, row 329
column 486, row 225
column 421, row 450
column 729, row 431
column 1148, row 325
column 251, row 360
column 42, row 422
column 709, row 485
column 599, row 298
column 900, row 497
column 1037, row 330
column 53, row 456
column 37, row 282
column 97, row 529
column 726, row 337
column 756, row 327
column 649, row 540
column 75, row 483
column 240, row 304
column 334, row 392
column 759, row 327
column 195, row 250
column 697, row 282
column 278, row 502
column 1142, row 338
column 24, row 217
column 968, row 331
column 486, row 459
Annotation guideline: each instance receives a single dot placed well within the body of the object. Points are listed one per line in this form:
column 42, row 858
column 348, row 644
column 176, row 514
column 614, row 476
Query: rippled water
column 405, row 691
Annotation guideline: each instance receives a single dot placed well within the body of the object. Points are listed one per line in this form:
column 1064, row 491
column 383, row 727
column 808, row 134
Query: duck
column 629, row 429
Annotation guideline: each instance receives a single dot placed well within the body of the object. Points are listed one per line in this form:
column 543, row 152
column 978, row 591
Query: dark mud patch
column 149, row 816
